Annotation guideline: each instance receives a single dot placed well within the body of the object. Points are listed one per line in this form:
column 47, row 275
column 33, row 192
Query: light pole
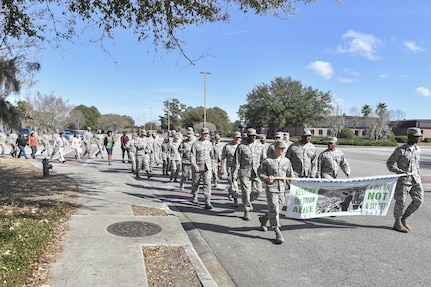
column 167, row 105
column 205, row 97
column 151, row 118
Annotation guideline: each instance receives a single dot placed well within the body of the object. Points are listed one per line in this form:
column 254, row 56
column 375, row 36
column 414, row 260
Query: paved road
column 340, row 251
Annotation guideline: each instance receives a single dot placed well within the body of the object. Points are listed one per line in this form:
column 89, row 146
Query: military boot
column 405, row 224
column 247, row 215
column 235, row 202
column 398, row 226
column 208, row 204
column 278, row 236
column 195, row 198
column 263, row 220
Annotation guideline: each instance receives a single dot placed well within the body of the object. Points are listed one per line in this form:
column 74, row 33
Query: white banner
column 329, row 197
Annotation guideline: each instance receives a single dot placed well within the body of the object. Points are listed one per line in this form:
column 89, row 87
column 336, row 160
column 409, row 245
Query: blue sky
column 363, row 52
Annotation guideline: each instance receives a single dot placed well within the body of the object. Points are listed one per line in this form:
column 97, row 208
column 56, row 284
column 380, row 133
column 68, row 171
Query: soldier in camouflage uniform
column 277, row 166
column 216, row 159
column 55, row 135
column 165, row 155
column 88, row 136
column 405, row 160
column 201, row 157
column 45, row 139
column 248, row 156
column 302, row 154
column 99, row 139
column 175, row 157
column 185, row 151
column 329, row 160
column 228, row 161
column 142, row 155
column 131, row 146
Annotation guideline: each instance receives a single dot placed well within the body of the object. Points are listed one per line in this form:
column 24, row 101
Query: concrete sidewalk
column 94, row 256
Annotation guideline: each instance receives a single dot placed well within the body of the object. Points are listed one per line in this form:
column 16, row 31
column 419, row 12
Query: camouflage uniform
column 175, row 157
column 228, row 160
column 406, row 159
column 186, row 163
column 99, row 138
column 201, row 158
column 88, row 136
column 165, row 155
column 131, row 146
column 142, row 155
column 303, row 158
column 275, row 189
column 216, row 159
column 248, row 156
column 45, row 138
column 55, row 135
column 329, row 161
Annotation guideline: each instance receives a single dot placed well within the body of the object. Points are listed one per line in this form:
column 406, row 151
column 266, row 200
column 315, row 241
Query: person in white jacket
column 77, row 146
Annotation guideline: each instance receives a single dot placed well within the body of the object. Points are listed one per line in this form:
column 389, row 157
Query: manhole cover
column 134, row 229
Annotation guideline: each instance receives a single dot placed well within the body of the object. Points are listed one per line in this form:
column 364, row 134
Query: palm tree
column 366, row 110
column 381, row 108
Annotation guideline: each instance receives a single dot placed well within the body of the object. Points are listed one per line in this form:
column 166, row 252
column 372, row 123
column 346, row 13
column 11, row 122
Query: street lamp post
column 205, row 97
column 167, row 105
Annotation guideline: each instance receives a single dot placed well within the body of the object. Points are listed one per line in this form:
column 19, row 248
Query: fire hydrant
column 46, row 166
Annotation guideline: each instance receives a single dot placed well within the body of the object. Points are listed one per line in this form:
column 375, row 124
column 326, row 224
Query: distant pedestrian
column 131, row 146
column 201, row 158
column 60, row 143
column 303, row 156
column 228, row 162
column 175, row 157
column 142, row 155
column 274, row 172
column 165, row 155
column 77, row 146
column 45, row 137
column 13, row 136
column 185, row 149
column 21, row 143
column 55, row 135
column 109, row 144
column 330, row 159
column 405, row 159
column 99, row 138
column 248, row 157
column 33, row 143
column 88, row 136
column 124, row 150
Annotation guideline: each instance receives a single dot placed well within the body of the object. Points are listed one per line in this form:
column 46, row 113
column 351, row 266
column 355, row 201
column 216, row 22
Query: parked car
column 26, row 132
column 68, row 134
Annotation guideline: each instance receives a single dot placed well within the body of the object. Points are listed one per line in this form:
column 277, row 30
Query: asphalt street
column 340, row 251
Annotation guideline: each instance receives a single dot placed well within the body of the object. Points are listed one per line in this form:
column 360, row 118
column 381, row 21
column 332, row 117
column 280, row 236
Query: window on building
column 320, row 132
column 312, row 131
column 356, row 132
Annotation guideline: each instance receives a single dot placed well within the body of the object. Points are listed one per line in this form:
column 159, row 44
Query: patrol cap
column 263, row 137
column 416, row 132
column 286, row 134
column 280, row 144
column 306, row 133
column 279, row 135
column 190, row 133
column 332, row 140
column 251, row 132
column 236, row 135
column 217, row 136
column 205, row 131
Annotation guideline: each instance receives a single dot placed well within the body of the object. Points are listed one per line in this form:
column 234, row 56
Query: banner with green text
column 329, row 197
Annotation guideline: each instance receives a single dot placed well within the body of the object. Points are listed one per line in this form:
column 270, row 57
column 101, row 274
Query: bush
column 346, row 133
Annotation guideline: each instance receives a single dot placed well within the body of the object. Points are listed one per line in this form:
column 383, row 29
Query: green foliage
column 91, row 115
column 24, row 236
column 346, row 133
column 285, row 102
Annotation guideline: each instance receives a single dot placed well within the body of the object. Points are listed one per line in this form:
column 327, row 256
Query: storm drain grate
column 134, row 229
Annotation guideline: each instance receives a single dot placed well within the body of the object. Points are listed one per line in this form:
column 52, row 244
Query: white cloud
column 323, row 69
column 357, row 43
column 352, row 72
column 423, row 91
column 384, row 75
column 347, row 80
column 413, row 47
